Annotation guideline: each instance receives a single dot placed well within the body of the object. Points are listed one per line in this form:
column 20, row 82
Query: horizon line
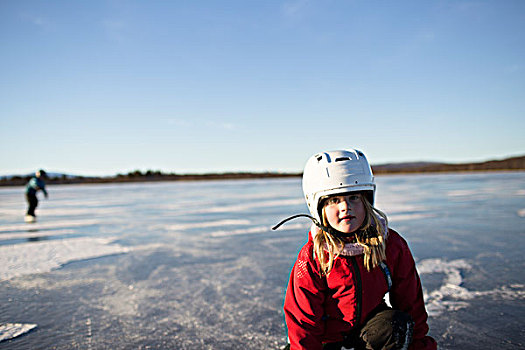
column 215, row 172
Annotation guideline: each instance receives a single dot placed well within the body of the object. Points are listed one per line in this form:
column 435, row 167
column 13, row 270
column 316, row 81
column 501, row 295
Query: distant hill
column 400, row 167
column 509, row 164
column 514, row 163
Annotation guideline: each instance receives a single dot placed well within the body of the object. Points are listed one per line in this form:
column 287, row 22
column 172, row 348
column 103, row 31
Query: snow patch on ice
column 13, row 330
column 406, row 217
column 243, row 207
column 38, row 234
column 48, row 225
column 452, row 296
column 40, row 257
column 217, row 223
column 65, row 211
column 396, row 207
column 242, row 231
column 477, row 194
column 462, row 193
column 12, row 211
column 257, row 229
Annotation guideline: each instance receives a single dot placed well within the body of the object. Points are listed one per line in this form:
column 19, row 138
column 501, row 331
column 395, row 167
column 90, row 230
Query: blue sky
column 106, row 87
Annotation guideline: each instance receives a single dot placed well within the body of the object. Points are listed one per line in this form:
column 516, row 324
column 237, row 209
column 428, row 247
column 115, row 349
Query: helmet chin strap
column 328, row 229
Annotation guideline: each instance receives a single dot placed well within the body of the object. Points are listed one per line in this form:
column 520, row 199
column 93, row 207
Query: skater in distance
column 33, row 186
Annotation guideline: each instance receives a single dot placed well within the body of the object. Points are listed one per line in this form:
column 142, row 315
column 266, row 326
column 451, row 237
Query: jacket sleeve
column 407, row 295
column 303, row 304
column 38, row 184
column 42, row 186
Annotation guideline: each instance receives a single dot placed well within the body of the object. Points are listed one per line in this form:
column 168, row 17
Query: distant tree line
column 509, row 164
column 147, row 176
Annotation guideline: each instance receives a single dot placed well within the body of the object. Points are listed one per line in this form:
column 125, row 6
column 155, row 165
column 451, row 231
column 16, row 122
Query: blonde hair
column 371, row 236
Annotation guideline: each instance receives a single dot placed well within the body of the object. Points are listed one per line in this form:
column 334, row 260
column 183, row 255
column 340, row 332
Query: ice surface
column 204, row 270
column 34, row 234
column 39, row 257
column 47, row 225
column 207, row 224
column 405, row 217
column 250, row 205
column 257, row 229
column 13, row 330
column 451, row 295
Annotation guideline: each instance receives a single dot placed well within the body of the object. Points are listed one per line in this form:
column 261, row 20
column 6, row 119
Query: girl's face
column 345, row 213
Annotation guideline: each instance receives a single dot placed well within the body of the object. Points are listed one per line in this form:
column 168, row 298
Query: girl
column 335, row 296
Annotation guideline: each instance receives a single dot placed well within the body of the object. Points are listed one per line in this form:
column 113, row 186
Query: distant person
column 33, row 186
column 335, row 296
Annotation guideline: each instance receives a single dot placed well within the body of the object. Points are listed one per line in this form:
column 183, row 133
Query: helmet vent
column 340, row 159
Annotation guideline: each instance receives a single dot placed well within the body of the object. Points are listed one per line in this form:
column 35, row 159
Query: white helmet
column 336, row 172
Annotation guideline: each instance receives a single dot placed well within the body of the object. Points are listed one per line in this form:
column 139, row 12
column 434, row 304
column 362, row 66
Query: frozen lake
column 195, row 265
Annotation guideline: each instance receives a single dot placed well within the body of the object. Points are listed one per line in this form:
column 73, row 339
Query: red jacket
column 320, row 309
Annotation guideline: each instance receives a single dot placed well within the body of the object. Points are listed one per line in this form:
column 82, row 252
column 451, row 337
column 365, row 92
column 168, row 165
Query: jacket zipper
column 358, row 288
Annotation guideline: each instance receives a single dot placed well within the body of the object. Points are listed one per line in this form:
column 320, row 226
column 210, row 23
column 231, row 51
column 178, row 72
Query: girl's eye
column 332, row 201
column 339, row 199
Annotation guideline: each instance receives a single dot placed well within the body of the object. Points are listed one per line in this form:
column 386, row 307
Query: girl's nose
column 344, row 204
